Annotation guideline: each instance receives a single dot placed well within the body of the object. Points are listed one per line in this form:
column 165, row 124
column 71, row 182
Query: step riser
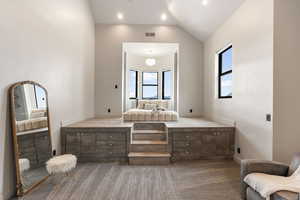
column 149, row 161
column 148, row 148
column 149, row 126
column 148, row 136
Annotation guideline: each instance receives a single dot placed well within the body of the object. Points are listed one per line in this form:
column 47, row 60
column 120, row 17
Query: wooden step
column 149, row 126
column 149, row 136
column 153, row 142
column 149, row 158
column 148, row 146
column 148, row 132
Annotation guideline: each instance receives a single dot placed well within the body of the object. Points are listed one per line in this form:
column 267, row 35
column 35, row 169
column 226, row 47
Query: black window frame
column 136, row 84
column 221, row 73
column 163, row 85
column 143, row 84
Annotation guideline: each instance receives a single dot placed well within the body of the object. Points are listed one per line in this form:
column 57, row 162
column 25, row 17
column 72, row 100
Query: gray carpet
column 199, row 180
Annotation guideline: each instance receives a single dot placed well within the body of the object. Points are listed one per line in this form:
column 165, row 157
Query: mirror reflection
column 33, row 138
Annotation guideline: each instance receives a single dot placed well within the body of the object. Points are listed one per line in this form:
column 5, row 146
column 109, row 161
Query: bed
column 151, row 110
column 38, row 120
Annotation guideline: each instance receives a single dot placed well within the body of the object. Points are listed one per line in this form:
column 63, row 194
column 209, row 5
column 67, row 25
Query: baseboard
column 237, row 159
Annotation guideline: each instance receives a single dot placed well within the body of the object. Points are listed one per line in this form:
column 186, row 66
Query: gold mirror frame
column 20, row 189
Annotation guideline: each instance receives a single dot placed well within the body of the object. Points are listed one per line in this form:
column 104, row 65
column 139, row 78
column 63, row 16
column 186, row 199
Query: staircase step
column 148, row 131
column 149, row 158
column 144, row 147
column 149, row 126
column 149, row 136
column 149, row 154
column 153, row 142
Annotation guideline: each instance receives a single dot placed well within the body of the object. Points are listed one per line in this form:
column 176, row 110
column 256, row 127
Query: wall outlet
column 109, row 110
column 150, row 34
column 268, row 117
column 238, row 150
column 191, row 110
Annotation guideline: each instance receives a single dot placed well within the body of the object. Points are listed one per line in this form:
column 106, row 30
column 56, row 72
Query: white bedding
column 149, row 115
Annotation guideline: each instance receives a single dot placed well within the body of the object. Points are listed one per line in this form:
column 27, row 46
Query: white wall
column 286, row 79
column 109, row 39
column 51, row 42
column 250, row 31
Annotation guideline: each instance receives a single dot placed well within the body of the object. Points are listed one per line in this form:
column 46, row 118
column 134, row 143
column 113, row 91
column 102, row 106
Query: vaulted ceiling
column 199, row 17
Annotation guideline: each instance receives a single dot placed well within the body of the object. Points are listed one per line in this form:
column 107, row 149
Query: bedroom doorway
column 150, row 73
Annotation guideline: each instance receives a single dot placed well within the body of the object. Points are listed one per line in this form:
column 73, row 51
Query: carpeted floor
column 199, row 180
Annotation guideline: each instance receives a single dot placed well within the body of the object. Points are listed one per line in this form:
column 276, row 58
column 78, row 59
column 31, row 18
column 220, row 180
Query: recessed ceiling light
column 120, row 16
column 163, row 17
column 204, row 2
column 149, row 51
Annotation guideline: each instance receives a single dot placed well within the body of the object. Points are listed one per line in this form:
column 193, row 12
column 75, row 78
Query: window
column 225, row 73
column 40, row 97
column 150, row 85
column 133, row 85
column 166, row 84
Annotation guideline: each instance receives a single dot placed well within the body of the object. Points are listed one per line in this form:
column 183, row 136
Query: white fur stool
column 24, row 164
column 61, row 164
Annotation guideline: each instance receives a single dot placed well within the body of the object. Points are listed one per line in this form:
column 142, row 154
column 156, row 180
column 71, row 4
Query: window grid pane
column 149, row 78
column 150, row 92
column 40, row 95
column 133, row 84
column 226, row 85
column 227, row 60
column 225, row 73
column 167, row 84
column 150, row 85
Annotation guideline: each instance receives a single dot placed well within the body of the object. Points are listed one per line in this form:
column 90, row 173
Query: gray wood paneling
column 112, row 144
column 201, row 143
column 36, row 147
column 96, row 144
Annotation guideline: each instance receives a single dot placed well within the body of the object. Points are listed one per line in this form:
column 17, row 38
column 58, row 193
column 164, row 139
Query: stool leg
column 70, row 173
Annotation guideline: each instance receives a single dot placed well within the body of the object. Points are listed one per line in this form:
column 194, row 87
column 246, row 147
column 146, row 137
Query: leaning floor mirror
column 31, row 134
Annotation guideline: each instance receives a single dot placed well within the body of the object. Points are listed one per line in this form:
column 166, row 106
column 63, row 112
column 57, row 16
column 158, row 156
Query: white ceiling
column 150, row 49
column 191, row 15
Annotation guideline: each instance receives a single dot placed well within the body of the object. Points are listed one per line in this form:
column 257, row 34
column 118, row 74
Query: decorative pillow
column 150, row 106
column 140, row 105
column 160, row 108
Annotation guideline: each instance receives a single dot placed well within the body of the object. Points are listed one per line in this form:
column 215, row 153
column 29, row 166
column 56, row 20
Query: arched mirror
column 31, row 134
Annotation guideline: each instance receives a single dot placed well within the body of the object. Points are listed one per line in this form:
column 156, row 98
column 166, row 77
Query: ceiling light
column 150, row 61
column 120, row 16
column 149, row 51
column 163, row 17
column 204, row 2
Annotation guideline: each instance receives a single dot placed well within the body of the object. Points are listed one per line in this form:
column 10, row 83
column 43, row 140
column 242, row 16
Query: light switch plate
column 268, row 117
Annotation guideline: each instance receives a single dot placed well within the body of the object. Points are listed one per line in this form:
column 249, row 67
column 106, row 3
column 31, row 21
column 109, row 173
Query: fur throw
column 24, row 164
column 61, row 164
